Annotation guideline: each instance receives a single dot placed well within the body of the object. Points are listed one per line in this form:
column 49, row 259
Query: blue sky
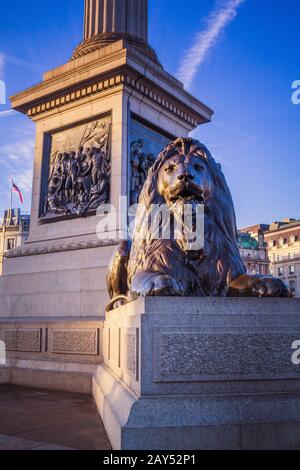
column 245, row 77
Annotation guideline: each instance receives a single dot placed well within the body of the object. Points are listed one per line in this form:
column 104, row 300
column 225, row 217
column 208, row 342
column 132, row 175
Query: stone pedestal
column 187, row 373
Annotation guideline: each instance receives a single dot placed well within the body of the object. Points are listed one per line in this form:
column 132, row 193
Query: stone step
column 51, row 375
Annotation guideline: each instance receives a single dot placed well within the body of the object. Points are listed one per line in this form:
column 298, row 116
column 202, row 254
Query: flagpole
column 11, row 195
column 11, row 201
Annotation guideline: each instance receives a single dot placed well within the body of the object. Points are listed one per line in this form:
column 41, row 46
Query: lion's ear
column 201, row 153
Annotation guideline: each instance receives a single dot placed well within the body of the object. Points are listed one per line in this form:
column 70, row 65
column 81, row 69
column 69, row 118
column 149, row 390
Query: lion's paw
column 258, row 286
column 154, row 284
column 271, row 287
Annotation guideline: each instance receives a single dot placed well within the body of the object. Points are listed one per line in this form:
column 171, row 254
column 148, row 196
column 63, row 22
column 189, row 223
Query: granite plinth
column 187, row 373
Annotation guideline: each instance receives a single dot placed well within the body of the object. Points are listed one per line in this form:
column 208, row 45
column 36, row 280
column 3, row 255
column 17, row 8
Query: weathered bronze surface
column 186, row 173
column 79, row 170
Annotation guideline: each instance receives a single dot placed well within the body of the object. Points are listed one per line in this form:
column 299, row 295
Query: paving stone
column 49, row 420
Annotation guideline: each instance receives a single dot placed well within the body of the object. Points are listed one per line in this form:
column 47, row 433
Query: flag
column 15, row 189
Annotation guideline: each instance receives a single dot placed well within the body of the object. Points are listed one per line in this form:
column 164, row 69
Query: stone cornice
column 291, row 227
column 153, row 94
column 104, row 72
column 287, row 261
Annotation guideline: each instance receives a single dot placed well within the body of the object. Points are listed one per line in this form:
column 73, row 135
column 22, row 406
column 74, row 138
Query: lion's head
column 168, row 180
column 186, row 173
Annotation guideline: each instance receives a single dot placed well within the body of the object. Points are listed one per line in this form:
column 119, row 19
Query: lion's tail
column 120, row 299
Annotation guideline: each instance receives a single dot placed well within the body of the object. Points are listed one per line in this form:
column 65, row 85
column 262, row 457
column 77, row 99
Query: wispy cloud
column 7, row 112
column 9, row 59
column 215, row 23
column 20, row 152
column 23, row 63
column 24, row 180
column 17, row 162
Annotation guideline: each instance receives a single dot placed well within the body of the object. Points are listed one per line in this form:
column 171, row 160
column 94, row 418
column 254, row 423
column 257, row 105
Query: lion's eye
column 170, row 168
column 198, row 167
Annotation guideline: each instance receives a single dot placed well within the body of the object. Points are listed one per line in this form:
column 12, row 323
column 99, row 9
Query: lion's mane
column 221, row 261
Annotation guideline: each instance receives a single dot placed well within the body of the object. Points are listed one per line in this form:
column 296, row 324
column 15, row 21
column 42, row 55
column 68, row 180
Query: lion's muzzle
column 186, row 190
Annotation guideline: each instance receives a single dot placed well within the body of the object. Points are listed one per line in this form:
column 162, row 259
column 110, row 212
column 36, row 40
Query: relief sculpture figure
column 53, row 204
column 135, row 161
column 98, row 193
column 141, row 163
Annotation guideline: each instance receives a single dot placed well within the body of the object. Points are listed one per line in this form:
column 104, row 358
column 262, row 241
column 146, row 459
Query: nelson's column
column 101, row 119
column 165, row 372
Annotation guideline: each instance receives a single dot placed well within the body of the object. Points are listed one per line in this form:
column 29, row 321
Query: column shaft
column 116, row 16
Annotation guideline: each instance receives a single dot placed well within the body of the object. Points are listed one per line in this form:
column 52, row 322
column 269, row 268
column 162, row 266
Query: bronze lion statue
column 185, row 173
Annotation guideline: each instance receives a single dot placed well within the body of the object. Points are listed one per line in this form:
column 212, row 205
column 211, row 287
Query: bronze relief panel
column 76, row 173
column 145, row 144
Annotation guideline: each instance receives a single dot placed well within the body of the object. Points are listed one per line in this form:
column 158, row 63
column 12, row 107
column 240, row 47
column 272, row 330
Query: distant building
column 283, row 242
column 253, row 249
column 14, row 231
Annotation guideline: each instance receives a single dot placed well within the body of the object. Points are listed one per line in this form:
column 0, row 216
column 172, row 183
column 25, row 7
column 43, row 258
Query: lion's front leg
column 258, row 286
column 154, row 284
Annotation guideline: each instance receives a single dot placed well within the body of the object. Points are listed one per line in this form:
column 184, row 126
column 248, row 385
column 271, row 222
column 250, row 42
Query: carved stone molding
column 114, row 349
column 79, row 93
column 101, row 40
column 79, row 341
column 28, row 340
column 50, row 338
column 130, row 351
column 43, row 250
column 217, row 355
column 109, row 83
